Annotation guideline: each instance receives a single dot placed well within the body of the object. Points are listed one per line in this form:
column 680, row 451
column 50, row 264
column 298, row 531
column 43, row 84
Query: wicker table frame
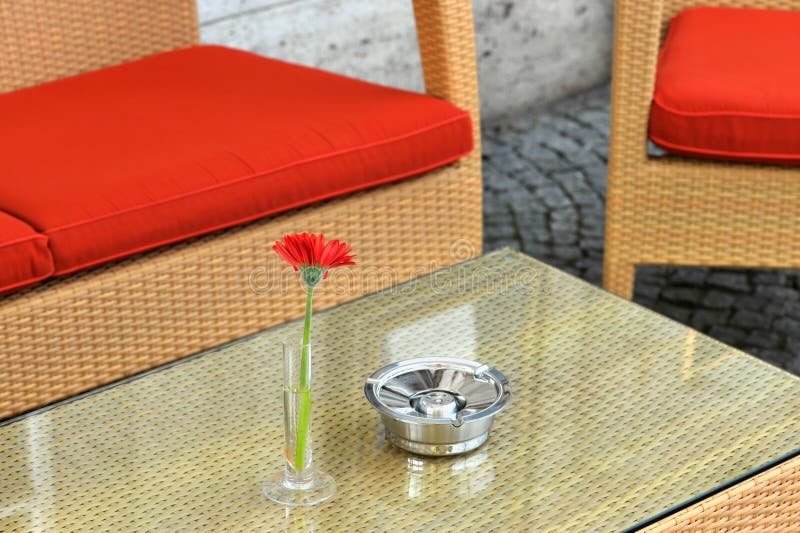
column 672, row 210
column 70, row 335
column 768, row 501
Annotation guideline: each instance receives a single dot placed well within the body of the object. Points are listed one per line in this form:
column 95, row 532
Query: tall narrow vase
column 299, row 483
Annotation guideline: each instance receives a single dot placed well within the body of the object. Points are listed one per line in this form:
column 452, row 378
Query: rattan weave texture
column 617, row 415
column 43, row 40
column 673, row 210
column 767, row 502
column 70, row 335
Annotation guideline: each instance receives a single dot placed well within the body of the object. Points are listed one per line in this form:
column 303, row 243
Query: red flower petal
column 319, row 246
column 293, row 246
column 327, row 255
column 304, row 243
column 304, row 249
column 281, row 250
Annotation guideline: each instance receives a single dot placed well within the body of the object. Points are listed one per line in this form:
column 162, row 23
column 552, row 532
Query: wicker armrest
column 636, row 43
column 446, row 37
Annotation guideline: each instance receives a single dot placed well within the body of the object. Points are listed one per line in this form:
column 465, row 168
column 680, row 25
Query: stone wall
column 529, row 51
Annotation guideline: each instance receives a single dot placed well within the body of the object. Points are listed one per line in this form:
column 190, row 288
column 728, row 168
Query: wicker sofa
column 72, row 334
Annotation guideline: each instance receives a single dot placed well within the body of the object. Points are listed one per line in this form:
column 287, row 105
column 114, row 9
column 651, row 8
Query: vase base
column 320, row 488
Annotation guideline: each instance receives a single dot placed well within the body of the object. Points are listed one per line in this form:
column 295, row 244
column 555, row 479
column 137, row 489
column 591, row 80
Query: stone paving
column 544, row 194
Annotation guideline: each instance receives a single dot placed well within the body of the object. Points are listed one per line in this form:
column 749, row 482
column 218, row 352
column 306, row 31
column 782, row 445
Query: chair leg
column 618, row 277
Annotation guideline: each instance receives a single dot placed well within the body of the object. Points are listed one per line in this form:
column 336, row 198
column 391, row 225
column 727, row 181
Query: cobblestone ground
column 544, row 194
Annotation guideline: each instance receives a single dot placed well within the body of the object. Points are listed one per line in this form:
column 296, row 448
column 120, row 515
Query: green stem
column 305, row 391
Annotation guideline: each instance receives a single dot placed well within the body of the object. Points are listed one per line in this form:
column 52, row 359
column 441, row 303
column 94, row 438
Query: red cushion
column 728, row 85
column 24, row 256
column 131, row 157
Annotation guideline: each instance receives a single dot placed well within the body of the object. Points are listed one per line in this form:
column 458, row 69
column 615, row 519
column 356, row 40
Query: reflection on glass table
column 618, row 416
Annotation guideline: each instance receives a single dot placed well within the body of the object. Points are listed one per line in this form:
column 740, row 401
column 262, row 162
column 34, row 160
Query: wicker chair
column 672, row 210
column 73, row 334
column 676, row 211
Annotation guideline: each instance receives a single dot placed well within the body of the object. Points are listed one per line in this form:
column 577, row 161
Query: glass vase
column 299, row 483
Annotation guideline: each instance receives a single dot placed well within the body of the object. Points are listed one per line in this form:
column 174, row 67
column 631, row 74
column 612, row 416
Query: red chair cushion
column 728, row 85
column 178, row 144
column 24, row 256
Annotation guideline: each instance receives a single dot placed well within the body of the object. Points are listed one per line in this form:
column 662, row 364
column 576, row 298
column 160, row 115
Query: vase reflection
column 299, row 520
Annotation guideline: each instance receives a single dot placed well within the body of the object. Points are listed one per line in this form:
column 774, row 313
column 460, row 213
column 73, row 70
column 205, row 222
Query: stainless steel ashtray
column 437, row 405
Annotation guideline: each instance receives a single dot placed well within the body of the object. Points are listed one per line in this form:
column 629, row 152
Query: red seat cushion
column 24, row 256
column 728, row 85
column 177, row 144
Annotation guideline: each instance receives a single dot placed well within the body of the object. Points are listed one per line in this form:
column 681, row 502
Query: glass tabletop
column 617, row 415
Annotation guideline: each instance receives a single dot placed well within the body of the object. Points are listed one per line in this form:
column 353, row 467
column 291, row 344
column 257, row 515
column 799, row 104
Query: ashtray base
column 422, row 448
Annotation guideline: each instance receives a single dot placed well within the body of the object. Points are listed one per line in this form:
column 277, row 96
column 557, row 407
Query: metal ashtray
column 437, row 405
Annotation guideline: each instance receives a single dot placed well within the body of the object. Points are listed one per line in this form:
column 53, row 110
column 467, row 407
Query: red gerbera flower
column 313, row 257
column 309, row 253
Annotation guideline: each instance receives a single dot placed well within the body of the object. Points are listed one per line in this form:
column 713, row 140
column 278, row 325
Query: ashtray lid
column 438, row 390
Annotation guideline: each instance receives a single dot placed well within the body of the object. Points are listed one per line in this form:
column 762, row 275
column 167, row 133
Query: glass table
column 618, row 417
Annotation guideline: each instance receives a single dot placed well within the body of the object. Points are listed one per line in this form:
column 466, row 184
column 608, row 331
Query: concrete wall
column 529, row 51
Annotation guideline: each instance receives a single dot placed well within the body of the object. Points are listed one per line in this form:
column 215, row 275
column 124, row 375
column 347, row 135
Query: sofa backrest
column 43, row 40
